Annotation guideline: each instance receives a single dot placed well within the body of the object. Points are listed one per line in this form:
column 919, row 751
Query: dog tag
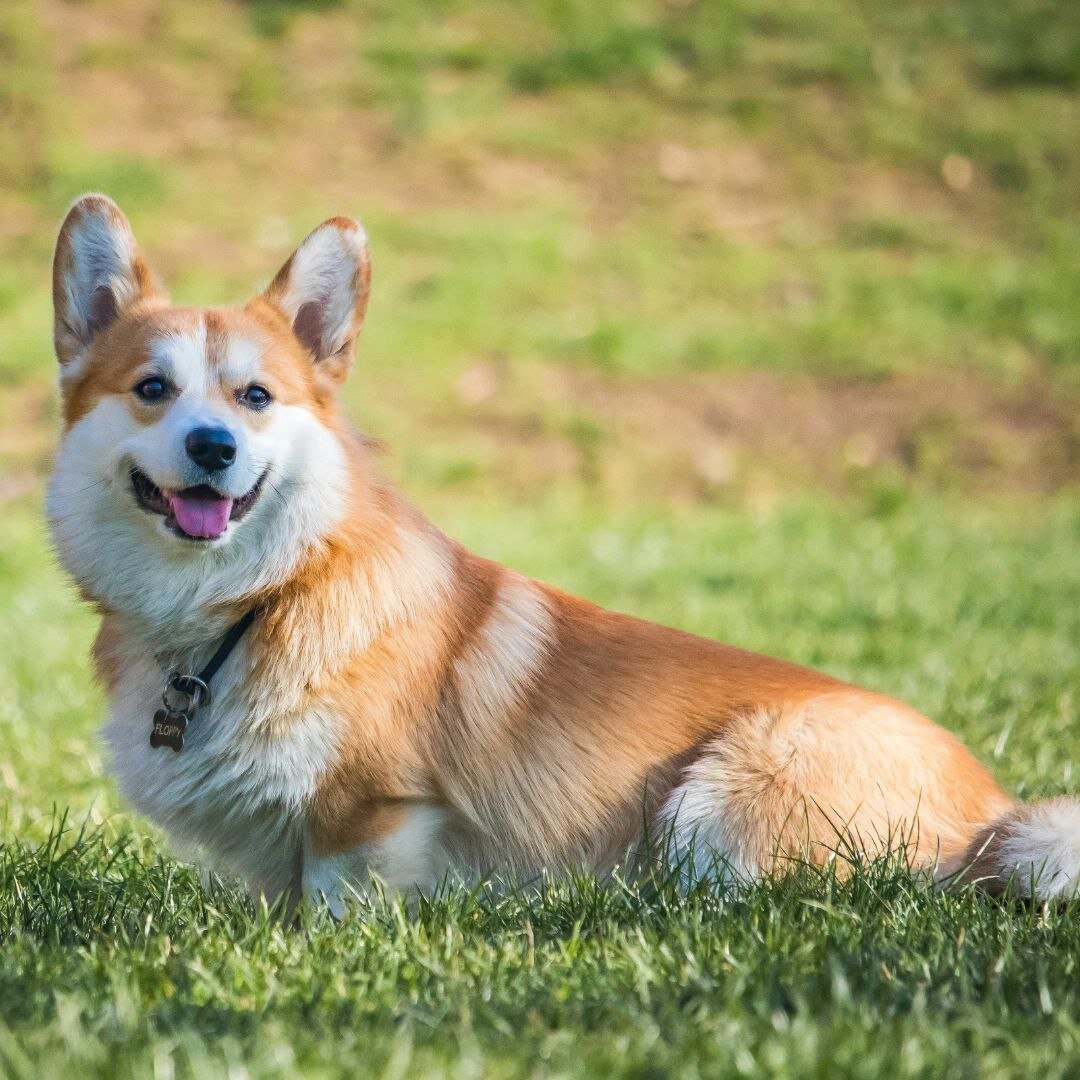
column 183, row 694
column 168, row 730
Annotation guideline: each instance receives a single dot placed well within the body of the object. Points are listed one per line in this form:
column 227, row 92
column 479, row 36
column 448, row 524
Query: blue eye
column 256, row 397
column 152, row 389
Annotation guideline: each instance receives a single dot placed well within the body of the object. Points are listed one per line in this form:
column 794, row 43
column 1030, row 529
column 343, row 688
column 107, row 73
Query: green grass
column 140, row 969
column 756, row 318
column 116, row 960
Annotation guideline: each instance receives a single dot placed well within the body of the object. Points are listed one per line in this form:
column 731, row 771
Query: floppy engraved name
column 182, row 695
column 168, row 729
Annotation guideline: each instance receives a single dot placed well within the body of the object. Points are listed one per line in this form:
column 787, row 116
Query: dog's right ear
column 97, row 274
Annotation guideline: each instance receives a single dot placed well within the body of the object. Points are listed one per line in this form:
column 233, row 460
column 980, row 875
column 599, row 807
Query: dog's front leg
column 282, row 892
column 406, row 858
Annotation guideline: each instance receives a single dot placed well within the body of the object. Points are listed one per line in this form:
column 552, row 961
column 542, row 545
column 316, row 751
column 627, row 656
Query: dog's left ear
column 323, row 291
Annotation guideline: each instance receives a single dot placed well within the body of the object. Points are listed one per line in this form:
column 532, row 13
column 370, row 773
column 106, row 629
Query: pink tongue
column 205, row 518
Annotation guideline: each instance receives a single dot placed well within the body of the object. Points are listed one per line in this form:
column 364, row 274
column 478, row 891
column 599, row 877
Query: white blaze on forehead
column 181, row 356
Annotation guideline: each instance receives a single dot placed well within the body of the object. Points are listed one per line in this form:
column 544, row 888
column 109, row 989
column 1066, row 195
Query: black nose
column 211, row 447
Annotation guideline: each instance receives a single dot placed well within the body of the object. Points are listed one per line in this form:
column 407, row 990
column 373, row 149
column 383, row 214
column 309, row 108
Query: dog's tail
column 1033, row 849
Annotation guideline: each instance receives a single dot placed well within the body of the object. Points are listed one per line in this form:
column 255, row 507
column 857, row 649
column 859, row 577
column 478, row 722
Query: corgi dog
column 386, row 706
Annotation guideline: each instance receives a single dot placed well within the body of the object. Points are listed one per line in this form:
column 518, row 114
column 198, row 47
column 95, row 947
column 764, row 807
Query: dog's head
column 201, row 449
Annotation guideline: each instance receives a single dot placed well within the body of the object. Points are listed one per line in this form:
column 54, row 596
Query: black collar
column 183, row 694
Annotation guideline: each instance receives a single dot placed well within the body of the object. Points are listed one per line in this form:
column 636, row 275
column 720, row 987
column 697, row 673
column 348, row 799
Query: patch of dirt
column 757, row 435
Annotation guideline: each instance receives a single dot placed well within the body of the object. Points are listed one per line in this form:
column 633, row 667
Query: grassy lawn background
column 759, row 319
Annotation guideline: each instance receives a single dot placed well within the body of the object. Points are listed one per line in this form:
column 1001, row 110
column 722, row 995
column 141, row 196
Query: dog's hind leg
column 847, row 774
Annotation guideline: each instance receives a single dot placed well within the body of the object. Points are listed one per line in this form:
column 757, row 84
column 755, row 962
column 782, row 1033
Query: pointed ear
column 97, row 274
column 323, row 291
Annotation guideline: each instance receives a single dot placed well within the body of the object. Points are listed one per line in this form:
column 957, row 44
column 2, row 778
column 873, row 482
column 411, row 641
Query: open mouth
column 194, row 513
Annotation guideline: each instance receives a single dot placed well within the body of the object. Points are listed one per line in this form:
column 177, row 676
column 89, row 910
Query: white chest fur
column 235, row 796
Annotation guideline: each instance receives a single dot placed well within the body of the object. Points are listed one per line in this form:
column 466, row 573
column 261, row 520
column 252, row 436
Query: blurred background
column 693, row 250
column 761, row 317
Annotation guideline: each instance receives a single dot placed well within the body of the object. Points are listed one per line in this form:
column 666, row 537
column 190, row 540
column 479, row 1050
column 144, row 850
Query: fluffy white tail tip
column 1033, row 849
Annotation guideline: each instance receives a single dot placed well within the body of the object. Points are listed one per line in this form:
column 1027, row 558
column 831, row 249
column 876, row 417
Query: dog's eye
column 152, row 389
column 256, row 397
